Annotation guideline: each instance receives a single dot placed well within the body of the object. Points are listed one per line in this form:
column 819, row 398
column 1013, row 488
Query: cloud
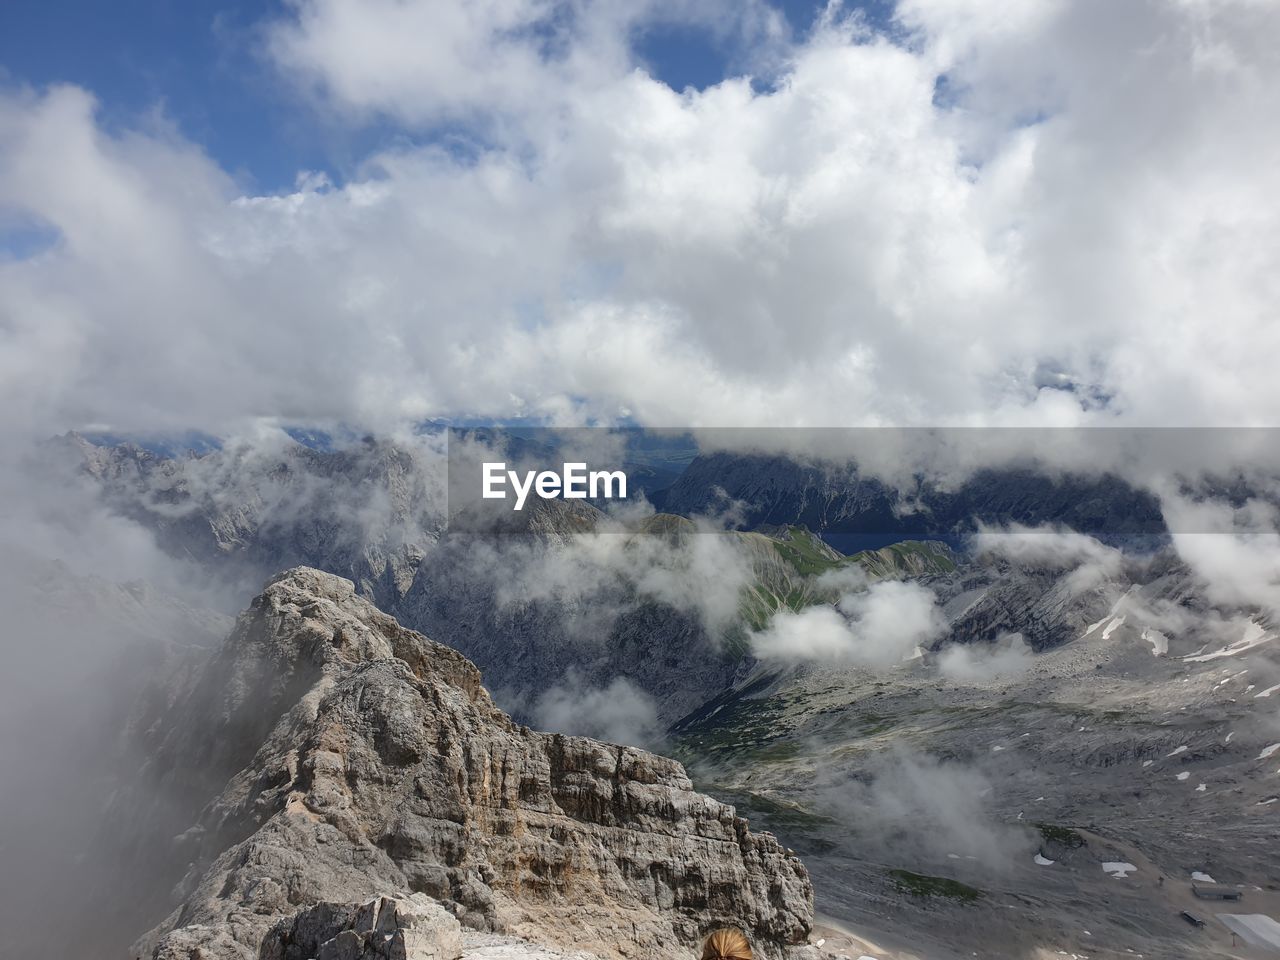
column 1047, row 548
column 83, row 655
column 998, row 195
column 422, row 60
column 1231, row 551
column 616, row 713
column 916, row 808
column 876, row 627
column 509, row 62
column 592, row 578
column 1235, row 554
column 1008, row 657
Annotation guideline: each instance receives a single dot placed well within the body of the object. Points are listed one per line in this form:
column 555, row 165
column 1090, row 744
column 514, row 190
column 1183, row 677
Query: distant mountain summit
column 366, row 512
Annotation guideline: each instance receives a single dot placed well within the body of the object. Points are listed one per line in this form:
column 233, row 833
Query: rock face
column 340, row 757
column 386, row 928
column 416, row 928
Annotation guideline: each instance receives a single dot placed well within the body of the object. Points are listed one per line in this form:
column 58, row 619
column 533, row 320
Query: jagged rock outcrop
column 385, row 928
column 344, row 757
column 416, row 928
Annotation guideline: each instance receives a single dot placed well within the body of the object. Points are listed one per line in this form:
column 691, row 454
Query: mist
column 880, row 625
column 1009, row 658
column 910, row 807
column 616, row 713
column 85, row 654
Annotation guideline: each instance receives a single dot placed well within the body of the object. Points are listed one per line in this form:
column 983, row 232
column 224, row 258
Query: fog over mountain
column 812, row 689
column 933, row 337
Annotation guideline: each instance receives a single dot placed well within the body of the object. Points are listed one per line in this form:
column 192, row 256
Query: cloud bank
column 875, row 627
column 1045, row 213
column 1089, row 561
column 616, row 713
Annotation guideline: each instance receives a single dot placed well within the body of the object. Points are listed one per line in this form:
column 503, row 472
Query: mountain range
column 1033, row 714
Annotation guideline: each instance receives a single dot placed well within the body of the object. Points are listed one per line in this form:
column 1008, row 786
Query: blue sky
column 199, row 62
column 195, row 60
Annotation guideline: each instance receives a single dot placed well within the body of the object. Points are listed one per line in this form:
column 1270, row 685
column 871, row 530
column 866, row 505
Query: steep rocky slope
column 665, row 606
column 330, row 754
column 948, row 814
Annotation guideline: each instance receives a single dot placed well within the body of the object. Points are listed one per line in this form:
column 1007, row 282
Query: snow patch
column 1176, row 751
column 1231, row 676
column 1115, row 624
column 1254, row 635
column 1268, row 751
column 1183, row 775
column 1159, row 642
column 1044, row 861
column 1256, row 929
column 1118, row 868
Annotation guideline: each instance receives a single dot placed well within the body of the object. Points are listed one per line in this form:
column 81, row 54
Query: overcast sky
column 686, row 213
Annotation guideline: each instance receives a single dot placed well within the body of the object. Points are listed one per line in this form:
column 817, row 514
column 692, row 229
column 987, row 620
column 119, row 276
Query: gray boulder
column 415, row 928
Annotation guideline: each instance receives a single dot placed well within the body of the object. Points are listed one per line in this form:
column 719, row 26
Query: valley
column 1040, row 743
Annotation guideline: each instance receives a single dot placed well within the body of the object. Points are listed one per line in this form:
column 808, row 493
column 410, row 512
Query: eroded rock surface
column 356, row 759
column 415, row 928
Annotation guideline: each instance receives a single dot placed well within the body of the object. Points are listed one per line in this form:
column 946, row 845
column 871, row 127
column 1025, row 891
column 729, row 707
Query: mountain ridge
column 367, row 760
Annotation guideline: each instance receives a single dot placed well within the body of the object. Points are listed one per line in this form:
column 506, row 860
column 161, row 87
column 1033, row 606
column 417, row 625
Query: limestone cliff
column 345, row 758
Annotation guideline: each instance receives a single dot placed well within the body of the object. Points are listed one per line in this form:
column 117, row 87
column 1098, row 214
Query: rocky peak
column 344, row 757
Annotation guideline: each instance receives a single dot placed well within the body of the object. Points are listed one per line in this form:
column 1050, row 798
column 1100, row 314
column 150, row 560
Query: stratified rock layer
column 349, row 758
